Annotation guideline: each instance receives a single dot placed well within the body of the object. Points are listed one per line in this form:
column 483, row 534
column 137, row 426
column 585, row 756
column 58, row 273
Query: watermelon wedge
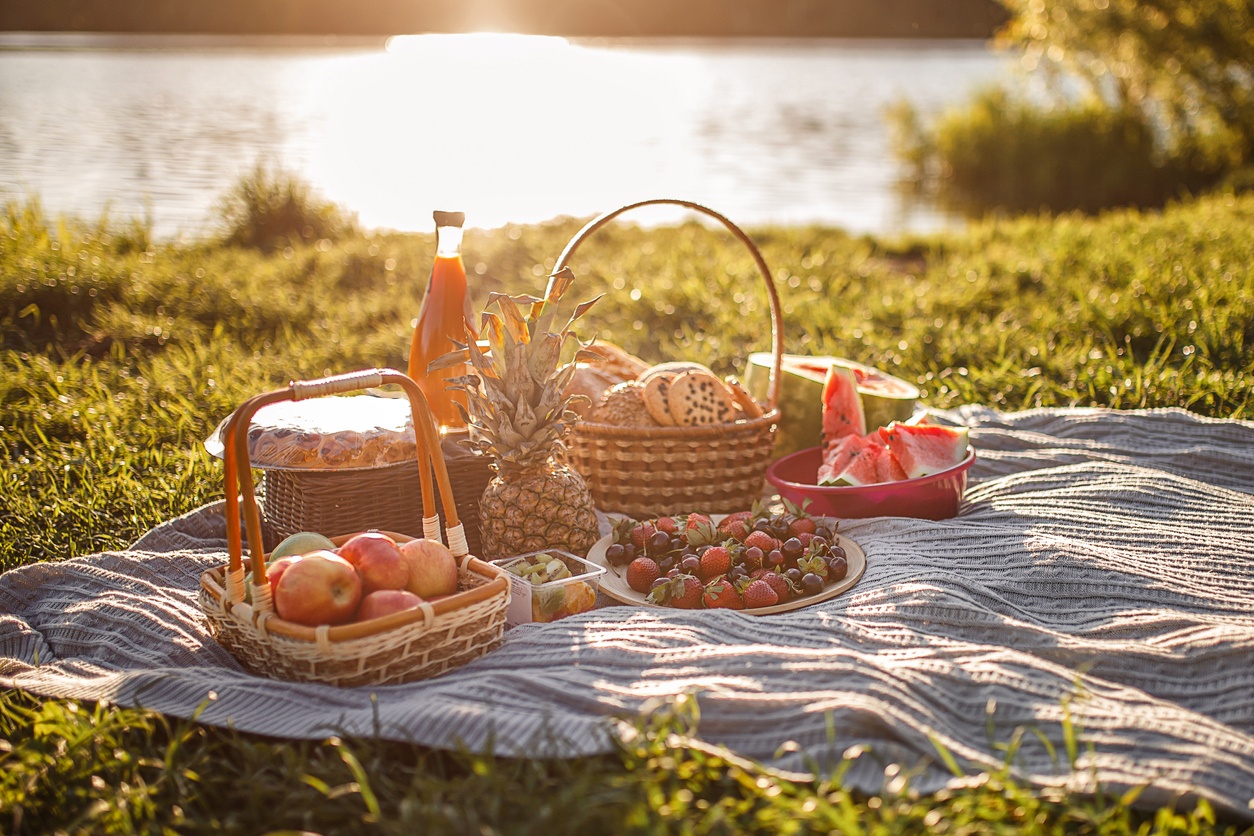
column 887, row 468
column 927, row 448
column 884, row 398
column 839, row 456
column 842, row 407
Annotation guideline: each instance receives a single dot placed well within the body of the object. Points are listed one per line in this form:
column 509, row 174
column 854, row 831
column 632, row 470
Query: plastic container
column 544, row 602
column 934, row 497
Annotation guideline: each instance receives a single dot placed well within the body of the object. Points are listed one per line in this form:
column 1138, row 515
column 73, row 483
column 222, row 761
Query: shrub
column 268, row 210
column 1004, row 153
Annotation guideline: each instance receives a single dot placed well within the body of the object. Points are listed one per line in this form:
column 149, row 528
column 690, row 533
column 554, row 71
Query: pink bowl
column 934, row 497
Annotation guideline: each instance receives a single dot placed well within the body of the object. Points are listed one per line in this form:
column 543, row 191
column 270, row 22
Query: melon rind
column 801, row 397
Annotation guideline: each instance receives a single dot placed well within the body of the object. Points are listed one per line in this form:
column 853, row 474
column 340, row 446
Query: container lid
column 352, row 432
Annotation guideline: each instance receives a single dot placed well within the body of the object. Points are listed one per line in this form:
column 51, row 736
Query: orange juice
column 443, row 319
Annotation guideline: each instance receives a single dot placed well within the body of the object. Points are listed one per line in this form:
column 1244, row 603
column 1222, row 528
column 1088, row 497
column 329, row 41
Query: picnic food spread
column 571, row 430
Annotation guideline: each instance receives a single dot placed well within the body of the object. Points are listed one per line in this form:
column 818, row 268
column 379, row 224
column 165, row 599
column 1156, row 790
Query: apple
column 432, row 568
column 276, row 568
column 383, row 602
column 319, row 588
column 378, row 561
column 302, row 542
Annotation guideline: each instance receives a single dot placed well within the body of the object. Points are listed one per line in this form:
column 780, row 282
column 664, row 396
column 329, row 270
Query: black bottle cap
column 449, row 218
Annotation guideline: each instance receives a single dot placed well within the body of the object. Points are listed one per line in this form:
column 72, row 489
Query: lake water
column 511, row 129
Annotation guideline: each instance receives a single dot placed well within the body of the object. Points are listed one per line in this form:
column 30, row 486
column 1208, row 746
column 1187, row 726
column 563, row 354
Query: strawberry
column 716, row 560
column 666, row 524
column 720, row 593
column 640, row 534
column 763, row 541
column 737, row 525
column 802, row 525
column 642, row 572
column 779, row 585
column 699, row 530
column 759, row 594
column 683, row 591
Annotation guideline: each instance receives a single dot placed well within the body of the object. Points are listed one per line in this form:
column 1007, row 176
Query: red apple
column 320, row 588
column 383, row 602
column 378, row 561
column 276, row 569
column 432, row 568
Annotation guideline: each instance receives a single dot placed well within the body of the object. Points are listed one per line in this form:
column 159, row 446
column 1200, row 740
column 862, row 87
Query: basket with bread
column 654, row 438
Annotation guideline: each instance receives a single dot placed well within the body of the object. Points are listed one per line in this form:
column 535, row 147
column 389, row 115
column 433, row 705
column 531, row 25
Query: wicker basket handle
column 777, row 317
column 238, row 469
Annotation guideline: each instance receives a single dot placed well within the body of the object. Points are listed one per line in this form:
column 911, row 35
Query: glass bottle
column 444, row 318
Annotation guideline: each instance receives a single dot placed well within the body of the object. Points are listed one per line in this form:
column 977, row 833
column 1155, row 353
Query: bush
column 1003, row 153
column 269, row 210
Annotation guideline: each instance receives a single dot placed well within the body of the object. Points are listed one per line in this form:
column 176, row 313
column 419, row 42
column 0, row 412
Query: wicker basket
column 387, row 497
column 642, row 471
column 402, row 647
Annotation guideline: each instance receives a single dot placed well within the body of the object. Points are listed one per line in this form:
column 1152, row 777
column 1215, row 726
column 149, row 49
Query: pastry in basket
column 623, row 405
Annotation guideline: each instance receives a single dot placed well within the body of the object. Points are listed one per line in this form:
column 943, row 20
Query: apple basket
column 719, row 468
column 401, row 647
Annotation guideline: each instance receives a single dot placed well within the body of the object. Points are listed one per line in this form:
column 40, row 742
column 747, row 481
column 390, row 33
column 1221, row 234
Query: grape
column 837, row 568
column 812, row 583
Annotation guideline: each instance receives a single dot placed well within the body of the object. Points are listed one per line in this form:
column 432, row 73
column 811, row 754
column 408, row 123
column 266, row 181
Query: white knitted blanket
column 1098, row 584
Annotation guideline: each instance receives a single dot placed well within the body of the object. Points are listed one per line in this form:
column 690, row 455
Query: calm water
column 508, row 128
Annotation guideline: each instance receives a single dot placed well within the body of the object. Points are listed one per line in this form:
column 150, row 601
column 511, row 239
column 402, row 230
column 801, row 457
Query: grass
column 118, row 355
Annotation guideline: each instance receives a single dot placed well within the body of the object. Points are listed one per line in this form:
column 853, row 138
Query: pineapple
column 519, row 418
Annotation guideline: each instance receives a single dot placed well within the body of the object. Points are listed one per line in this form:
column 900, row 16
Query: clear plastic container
column 540, row 596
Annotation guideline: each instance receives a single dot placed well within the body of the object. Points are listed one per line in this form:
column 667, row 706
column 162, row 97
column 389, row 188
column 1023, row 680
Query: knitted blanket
column 1097, row 588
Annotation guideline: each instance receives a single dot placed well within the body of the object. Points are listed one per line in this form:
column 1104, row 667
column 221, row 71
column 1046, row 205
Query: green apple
column 302, row 542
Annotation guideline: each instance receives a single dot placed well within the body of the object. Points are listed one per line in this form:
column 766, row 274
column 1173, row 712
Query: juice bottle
column 445, row 316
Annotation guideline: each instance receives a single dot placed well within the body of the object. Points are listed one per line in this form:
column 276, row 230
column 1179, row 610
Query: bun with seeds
column 623, row 406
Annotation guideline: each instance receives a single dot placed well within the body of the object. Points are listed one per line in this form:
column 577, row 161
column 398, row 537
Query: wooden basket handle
column 777, row 317
column 238, row 470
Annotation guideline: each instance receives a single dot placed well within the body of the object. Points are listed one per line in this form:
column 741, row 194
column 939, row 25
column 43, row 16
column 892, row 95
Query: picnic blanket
column 1097, row 587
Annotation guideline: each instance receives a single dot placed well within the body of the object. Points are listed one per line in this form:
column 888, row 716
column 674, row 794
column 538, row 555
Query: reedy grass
column 119, row 354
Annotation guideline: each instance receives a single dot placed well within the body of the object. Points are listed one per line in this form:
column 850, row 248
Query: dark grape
column 659, row 543
column 690, row 564
column 629, row 552
column 812, row 583
column 666, row 563
column 659, row 582
column 837, row 568
column 824, row 532
column 793, row 548
column 753, row 557
column 793, row 575
column 838, row 551
column 775, row 558
column 616, row 555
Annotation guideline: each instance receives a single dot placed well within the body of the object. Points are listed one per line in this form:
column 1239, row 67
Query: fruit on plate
column 758, row 560
column 383, row 602
column 276, row 568
column 378, row 560
column 302, row 542
column 885, row 398
column 518, row 417
column 892, row 454
column 432, row 568
column 320, row 588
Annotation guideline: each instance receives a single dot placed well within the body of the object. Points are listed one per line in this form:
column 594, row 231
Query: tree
column 1186, row 65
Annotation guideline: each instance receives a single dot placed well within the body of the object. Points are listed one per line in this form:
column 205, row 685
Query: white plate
column 615, row 585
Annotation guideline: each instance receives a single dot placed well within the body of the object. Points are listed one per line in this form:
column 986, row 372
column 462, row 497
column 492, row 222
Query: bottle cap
column 449, row 218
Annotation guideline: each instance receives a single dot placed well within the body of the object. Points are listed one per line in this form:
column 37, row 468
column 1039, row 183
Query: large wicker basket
column 402, row 647
column 642, row 471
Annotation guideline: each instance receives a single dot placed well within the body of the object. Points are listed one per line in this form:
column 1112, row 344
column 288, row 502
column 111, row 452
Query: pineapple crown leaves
column 515, row 399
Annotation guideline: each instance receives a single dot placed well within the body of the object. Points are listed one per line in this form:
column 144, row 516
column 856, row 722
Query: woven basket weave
column 401, row 647
column 643, row 471
column 388, row 497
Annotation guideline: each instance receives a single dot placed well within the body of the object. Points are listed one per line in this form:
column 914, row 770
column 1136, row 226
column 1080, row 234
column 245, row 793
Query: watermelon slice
column 838, row 457
column 842, row 407
column 927, row 448
column 887, row 468
column 884, row 398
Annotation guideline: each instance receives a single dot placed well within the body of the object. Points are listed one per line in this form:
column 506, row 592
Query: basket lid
column 352, row 432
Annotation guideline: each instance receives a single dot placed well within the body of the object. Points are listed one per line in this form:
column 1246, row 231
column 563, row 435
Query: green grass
column 118, row 355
